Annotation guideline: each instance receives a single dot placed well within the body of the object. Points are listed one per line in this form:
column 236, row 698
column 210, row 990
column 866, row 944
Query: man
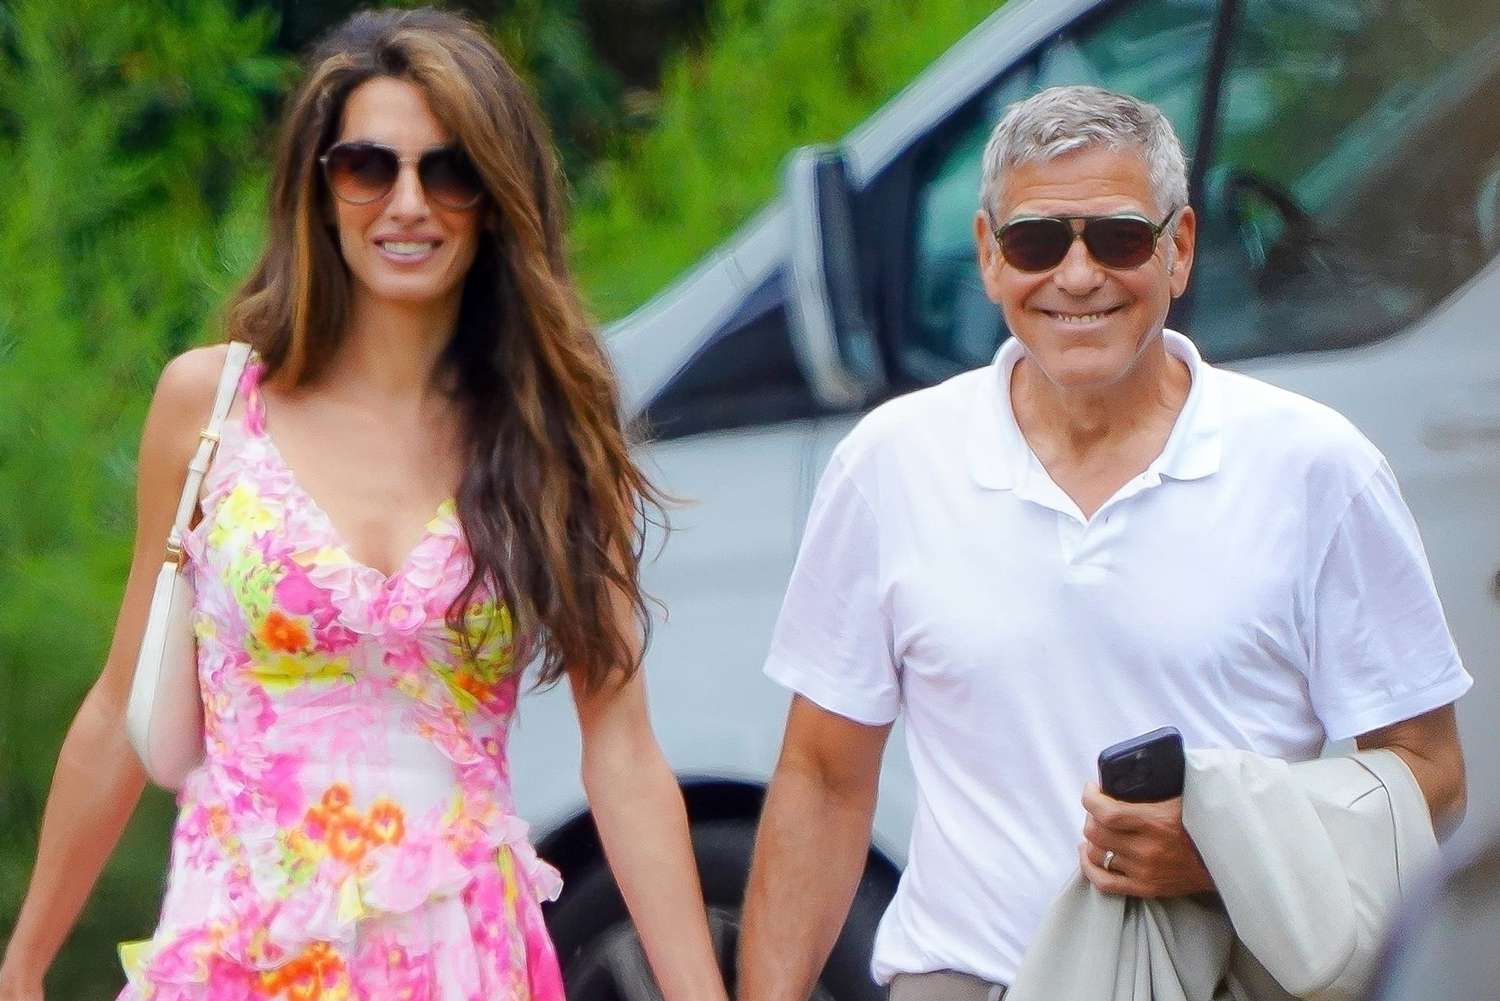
column 1096, row 535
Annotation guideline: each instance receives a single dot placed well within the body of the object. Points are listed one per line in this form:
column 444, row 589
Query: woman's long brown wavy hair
column 551, row 504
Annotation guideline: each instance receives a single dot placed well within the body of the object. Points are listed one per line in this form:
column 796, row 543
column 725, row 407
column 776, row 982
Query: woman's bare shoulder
column 181, row 405
column 188, row 382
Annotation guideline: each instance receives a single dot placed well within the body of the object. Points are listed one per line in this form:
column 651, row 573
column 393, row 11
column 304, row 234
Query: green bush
column 132, row 140
column 776, row 74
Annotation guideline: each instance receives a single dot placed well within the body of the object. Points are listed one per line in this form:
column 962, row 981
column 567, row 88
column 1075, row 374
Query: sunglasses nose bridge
column 1078, row 270
column 408, row 196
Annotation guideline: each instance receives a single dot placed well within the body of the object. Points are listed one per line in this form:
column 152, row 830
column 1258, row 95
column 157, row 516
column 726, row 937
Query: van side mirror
column 834, row 340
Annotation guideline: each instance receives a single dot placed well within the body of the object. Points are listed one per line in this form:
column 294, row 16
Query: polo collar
column 1000, row 459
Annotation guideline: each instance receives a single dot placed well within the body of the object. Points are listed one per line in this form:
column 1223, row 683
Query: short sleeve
column 1381, row 651
column 832, row 642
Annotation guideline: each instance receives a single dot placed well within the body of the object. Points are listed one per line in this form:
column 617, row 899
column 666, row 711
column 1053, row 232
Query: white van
column 1345, row 162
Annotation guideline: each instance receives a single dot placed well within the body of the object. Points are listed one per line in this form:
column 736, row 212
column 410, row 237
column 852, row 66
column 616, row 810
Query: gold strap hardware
column 212, row 437
column 175, row 554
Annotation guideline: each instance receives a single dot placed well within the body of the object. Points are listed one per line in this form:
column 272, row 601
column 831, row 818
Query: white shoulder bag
column 164, row 717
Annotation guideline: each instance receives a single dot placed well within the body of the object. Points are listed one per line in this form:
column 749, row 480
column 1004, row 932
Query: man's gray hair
column 1063, row 119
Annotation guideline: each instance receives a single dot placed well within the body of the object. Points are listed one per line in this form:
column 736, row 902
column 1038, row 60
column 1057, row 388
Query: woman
column 423, row 486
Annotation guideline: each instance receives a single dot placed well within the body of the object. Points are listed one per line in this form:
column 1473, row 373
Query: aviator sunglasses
column 362, row 172
column 1039, row 243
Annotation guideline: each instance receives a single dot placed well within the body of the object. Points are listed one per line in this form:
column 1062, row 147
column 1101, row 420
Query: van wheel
column 602, row 957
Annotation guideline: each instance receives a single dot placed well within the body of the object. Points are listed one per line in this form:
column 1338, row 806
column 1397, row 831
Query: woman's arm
column 638, row 809
column 98, row 778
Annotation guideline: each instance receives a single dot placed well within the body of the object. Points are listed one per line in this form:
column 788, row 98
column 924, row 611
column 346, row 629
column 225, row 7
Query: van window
column 1157, row 50
column 746, row 375
column 1355, row 175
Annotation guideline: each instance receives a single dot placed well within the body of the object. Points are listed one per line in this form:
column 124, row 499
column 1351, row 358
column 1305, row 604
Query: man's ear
column 988, row 252
column 1183, row 239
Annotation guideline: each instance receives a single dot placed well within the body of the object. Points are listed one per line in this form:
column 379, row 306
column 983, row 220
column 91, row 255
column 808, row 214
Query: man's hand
column 1153, row 854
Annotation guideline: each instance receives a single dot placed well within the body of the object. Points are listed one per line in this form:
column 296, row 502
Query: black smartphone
column 1144, row 769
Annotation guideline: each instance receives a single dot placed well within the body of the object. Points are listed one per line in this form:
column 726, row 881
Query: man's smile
column 1076, row 318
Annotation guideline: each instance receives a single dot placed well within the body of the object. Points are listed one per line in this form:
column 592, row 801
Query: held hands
column 15, row 992
column 19, row 980
column 1153, row 854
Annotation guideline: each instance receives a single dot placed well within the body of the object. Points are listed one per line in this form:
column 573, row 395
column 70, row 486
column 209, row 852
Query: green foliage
column 546, row 40
column 132, row 145
column 776, row 74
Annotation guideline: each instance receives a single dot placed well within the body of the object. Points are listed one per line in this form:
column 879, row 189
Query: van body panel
column 657, row 341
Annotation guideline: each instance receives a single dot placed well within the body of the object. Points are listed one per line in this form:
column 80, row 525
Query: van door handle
column 1456, row 432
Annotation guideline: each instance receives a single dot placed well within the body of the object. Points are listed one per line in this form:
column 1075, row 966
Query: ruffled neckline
column 438, row 531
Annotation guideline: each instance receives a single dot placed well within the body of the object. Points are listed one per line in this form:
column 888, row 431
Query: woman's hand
column 15, row 987
column 638, row 808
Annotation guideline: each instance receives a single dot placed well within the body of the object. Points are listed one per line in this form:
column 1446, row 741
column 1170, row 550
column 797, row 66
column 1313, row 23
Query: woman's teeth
column 408, row 249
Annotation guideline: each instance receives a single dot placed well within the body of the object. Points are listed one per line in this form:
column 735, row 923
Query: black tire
column 602, row 958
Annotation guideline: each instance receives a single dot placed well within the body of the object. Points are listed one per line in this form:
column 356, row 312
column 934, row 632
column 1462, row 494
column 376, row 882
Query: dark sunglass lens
column 1035, row 244
column 1120, row 242
column 360, row 173
column 450, row 179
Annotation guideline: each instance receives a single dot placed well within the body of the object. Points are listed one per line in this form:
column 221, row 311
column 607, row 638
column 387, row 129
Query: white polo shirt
column 1261, row 586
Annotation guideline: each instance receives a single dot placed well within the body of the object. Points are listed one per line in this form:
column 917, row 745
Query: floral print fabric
column 350, row 835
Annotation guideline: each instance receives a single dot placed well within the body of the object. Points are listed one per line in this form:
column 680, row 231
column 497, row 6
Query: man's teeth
column 1081, row 318
column 406, row 247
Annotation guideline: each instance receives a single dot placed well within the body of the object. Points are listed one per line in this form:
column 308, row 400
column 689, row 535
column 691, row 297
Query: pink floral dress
column 350, row 835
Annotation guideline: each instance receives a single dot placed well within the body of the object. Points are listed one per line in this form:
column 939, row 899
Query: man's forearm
column 1430, row 747
column 1443, row 786
column 810, row 853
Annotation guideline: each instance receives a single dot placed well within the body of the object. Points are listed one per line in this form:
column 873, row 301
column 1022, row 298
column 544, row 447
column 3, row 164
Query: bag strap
column 208, row 441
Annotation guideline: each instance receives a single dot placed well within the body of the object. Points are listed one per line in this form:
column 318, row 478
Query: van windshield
column 1355, row 172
